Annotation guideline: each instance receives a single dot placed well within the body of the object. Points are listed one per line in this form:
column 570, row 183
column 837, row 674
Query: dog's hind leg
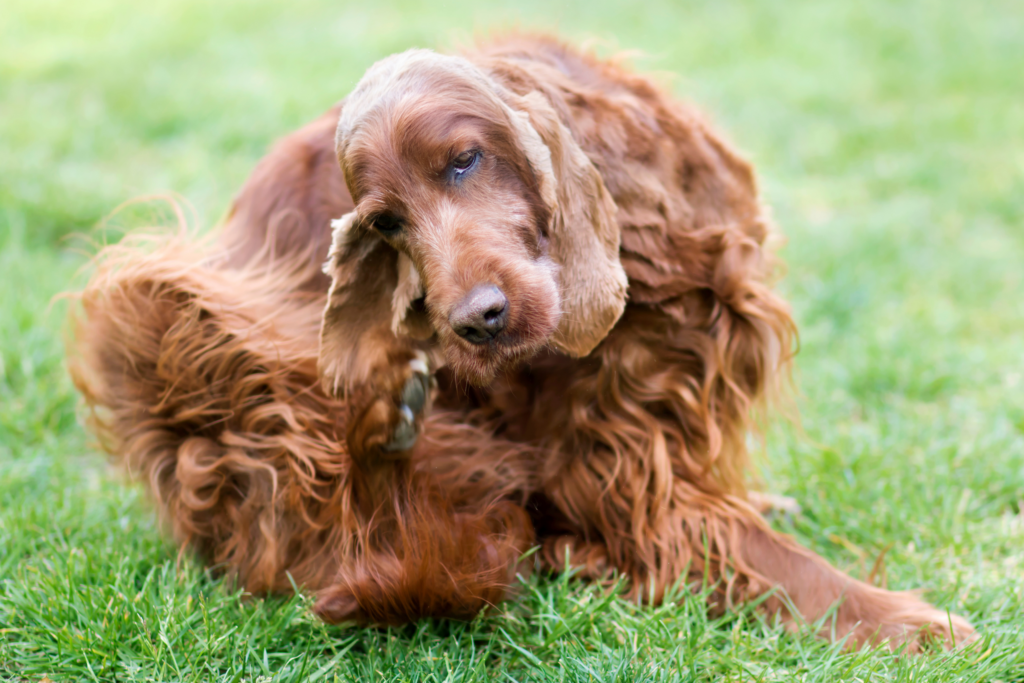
column 443, row 533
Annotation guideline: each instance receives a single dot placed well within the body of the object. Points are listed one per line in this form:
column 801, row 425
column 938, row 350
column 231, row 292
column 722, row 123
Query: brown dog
column 546, row 317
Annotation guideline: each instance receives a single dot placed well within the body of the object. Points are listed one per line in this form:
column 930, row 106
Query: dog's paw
column 947, row 631
column 337, row 604
column 773, row 505
column 391, row 421
column 902, row 621
column 411, row 404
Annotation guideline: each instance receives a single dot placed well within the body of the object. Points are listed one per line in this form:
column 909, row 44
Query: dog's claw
column 404, row 436
column 414, row 398
column 414, row 394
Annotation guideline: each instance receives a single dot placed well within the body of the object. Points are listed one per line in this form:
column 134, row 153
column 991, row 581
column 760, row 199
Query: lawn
column 890, row 141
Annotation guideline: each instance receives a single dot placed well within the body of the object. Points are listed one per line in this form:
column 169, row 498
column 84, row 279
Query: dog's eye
column 464, row 162
column 388, row 224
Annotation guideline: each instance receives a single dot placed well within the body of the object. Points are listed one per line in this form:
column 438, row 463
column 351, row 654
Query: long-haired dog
column 545, row 318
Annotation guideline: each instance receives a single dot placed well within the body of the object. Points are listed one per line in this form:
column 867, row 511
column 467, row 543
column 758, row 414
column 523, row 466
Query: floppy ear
column 368, row 306
column 408, row 316
column 584, row 234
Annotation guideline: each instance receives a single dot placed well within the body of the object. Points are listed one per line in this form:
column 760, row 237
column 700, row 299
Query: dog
column 544, row 319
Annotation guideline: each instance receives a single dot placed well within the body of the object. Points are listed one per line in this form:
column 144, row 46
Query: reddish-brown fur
column 200, row 362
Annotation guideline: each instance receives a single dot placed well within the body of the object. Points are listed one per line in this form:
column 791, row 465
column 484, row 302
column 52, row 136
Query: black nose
column 481, row 315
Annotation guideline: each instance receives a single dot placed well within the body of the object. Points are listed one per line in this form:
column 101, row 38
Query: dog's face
column 446, row 186
column 463, row 192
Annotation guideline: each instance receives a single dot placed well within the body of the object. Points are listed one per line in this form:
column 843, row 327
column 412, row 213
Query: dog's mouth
column 478, row 364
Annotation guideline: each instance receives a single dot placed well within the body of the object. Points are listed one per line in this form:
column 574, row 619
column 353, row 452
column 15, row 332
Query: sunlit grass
column 890, row 140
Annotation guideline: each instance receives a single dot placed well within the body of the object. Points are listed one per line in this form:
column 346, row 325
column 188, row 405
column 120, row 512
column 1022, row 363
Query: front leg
column 864, row 613
column 704, row 536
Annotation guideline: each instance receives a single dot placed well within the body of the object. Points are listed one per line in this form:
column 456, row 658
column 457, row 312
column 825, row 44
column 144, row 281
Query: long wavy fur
column 202, row 381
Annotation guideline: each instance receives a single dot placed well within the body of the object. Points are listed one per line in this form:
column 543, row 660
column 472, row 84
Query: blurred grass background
column 890, row 141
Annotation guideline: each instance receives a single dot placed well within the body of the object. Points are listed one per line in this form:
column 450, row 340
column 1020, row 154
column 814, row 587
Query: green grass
column 890, row 140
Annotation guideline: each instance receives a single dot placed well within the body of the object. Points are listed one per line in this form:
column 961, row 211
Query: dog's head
column 477, row 219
